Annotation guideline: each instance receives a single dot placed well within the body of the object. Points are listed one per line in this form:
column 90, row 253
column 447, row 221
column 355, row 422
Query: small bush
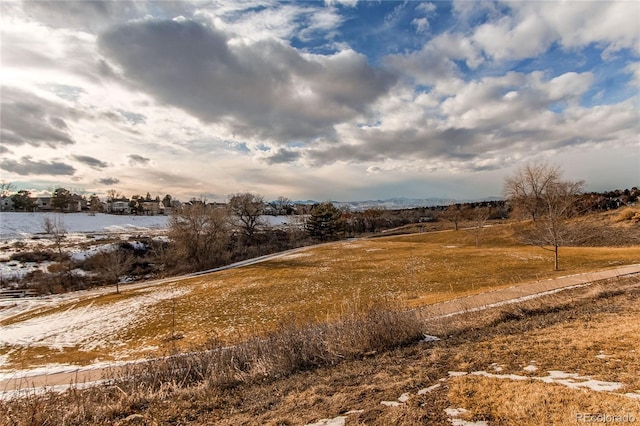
column 36, row 256
column 628, row 214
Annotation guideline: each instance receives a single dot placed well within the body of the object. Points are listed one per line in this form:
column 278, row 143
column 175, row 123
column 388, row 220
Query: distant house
column 6, row 204
column 43, row 204
column 119, row 206
column 150, row 207
column 217, row 205
column 75, row 205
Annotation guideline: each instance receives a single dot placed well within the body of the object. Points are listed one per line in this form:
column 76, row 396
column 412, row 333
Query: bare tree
column 455, row 213
column 57, row 230
column 113, row 264
column 282, row 206
column 6, row 188
column 247, row 209
column 549, row 201
column 479, row 216
column 200, row 234
column 526, row 188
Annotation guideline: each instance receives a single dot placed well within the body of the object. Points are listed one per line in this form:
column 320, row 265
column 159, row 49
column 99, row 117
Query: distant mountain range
column 399, row 203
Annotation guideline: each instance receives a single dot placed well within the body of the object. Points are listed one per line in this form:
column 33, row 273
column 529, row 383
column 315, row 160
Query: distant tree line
column 205, row 235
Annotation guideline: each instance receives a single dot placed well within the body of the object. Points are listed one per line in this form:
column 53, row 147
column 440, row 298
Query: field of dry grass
column 543, row 361
column 316, row 284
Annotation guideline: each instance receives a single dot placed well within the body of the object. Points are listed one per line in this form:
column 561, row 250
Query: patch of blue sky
column 296, row 144
column 237, row 146
column 132, row 117
column 558, row 107
column 316, row 45
column 379, row 29
column 375, row 123
column 612, row 83
column 558, row 60
column 610, row 91
column 475, row 14
column 70, row 93
column 422, row 88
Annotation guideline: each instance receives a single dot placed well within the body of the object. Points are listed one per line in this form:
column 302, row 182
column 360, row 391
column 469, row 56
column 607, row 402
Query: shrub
column 290, row 349
column 35, row 256
column 628, row 214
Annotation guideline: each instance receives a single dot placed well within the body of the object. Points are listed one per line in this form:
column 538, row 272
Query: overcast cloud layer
column 338, row 100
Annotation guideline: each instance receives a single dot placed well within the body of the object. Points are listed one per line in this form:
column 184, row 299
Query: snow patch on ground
column 570, row 380
column 60, row 368
column 429, row 389
column 456, row 412
column 404, row 397
column 89, row 326
column 6, row 395
column 336, row 421
column 16, row 270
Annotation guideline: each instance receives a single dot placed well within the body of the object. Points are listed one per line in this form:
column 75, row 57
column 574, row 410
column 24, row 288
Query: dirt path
column 86, row 375
column 522, row 292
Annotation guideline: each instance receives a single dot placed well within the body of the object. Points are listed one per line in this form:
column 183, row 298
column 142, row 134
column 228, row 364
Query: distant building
column 43, row 204
column 150, row 207
column 6, row 204
column 119, row 206
column 75, row 205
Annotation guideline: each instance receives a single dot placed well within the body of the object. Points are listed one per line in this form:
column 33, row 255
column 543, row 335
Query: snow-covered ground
column 26, row 225
column 89, row 326
column 25, row 232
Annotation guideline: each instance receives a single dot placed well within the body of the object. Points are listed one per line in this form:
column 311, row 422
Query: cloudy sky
column 334, row 100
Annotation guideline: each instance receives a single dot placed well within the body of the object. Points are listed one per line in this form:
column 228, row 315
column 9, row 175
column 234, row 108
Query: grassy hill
column 315, row 284
column 334, row 332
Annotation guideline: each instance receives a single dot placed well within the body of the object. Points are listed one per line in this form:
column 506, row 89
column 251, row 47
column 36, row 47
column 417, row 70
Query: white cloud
column 348, row 3
column 219, row 100
column 614, row 23
column 426, row 8
column 533, row 26
column 265, row 90
column 436, row 60
column 421, row 24
column 511, row 39
column 634, row 69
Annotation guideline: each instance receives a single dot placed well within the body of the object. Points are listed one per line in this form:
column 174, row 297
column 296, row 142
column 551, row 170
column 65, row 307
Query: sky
column 336, row 100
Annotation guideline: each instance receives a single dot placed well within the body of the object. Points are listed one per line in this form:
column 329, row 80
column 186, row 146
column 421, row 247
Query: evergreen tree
column 323, row 221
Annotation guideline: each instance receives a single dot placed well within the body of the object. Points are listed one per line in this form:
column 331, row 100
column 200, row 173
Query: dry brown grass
column 504, row 402
column 566, row 331
column 321, row 283
column 628, row 214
